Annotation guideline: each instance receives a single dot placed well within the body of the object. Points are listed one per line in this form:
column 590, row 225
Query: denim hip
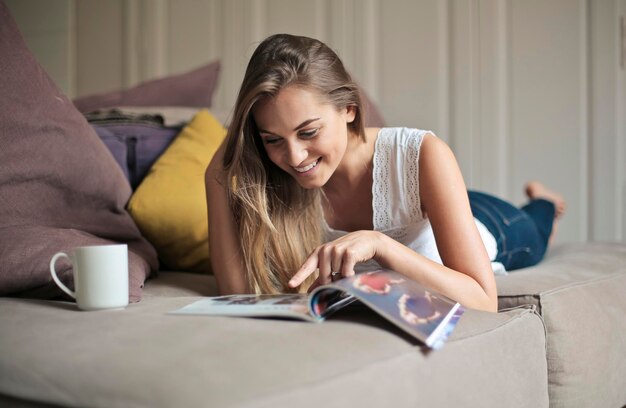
column 521, row 234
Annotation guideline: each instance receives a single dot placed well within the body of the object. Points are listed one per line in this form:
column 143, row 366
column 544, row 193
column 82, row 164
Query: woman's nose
column 296, row 153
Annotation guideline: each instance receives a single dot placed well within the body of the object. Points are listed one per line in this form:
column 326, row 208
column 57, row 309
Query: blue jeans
column 521, row 233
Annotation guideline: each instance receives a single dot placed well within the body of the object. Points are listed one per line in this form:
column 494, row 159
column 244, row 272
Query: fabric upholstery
column 172, row 116
column 353, row 359
column 372, row 115
column 177, row 115
column 579, row 291
column 59, row 186
column 169, row 206
column 193, row 88
column 136, row 141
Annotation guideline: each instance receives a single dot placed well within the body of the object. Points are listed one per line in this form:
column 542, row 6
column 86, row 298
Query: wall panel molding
column 368, row 56
column 72, row 51
column 508, row 96
column 216, row 50
column 493, row 104
column 154, row 35
column 475, row 144
column 607, row 112
column 620, row 117
column 465, row 88
column 144, row 40
column 444, row 48
column 258, row 20
column 131, row 68
column 321, row 19
column 502, row 128
column 585, row 131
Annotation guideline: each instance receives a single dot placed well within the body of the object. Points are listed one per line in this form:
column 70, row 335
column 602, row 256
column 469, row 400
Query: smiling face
column 303, row 135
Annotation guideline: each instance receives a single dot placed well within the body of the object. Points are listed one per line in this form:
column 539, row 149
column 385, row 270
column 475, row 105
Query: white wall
column 521, row 89
column 48, row 28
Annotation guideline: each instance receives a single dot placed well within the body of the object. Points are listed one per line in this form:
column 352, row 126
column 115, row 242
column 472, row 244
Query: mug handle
column 54, row 273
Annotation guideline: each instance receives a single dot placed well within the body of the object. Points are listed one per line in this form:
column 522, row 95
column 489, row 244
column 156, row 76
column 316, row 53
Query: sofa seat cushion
column 180, row 284
column 579, row 291
column 142, row 356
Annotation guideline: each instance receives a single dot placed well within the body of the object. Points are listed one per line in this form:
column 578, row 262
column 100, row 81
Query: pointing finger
column 308, row 267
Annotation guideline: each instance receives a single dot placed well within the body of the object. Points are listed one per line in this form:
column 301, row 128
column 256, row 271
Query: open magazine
column 426, row 315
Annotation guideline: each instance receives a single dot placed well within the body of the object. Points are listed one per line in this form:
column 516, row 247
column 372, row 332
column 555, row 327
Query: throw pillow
column 171, row 115
column 59, row 185
column 371, row 114
column 135, row 141
column 193, row 88
column 169, row 206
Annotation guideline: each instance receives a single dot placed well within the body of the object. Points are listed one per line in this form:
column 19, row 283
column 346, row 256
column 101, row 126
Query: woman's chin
column 310, row 179
column 309, row 185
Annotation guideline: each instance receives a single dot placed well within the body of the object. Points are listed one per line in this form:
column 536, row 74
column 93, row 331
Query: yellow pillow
column 169, row 206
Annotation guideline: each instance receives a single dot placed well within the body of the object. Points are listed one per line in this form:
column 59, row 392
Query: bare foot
column 535, row 189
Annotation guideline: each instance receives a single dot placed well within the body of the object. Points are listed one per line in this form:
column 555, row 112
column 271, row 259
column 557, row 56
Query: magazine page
column 448, row 328
column 428, row 316
column 294, row 306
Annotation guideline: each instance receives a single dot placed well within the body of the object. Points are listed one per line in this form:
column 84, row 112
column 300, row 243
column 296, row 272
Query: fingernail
column 292, row 283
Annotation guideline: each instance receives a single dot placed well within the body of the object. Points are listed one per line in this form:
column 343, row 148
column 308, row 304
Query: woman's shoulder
column 401, row 137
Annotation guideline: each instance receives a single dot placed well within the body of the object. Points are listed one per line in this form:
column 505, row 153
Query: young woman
column 301, row 193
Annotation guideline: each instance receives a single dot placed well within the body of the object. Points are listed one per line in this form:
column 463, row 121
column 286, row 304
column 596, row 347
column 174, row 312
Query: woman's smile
column 308, row 168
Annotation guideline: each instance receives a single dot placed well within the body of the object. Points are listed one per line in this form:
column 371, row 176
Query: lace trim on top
column 396, row 163
column 380, row 190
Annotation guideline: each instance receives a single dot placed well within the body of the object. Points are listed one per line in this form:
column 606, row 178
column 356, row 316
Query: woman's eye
column 309, row 133
column 272, row 141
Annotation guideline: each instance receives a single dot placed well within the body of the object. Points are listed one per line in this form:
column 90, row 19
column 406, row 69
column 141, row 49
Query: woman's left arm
column 465, row 276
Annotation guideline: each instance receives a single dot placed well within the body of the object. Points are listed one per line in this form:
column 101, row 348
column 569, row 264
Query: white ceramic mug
column 100, row 276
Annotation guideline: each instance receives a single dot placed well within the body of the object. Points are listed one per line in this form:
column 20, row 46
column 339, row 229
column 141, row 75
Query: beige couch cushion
column 143, row 357
column 579, row 290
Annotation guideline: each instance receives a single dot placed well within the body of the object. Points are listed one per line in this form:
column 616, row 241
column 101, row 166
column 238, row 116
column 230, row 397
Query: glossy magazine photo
column 428, row 316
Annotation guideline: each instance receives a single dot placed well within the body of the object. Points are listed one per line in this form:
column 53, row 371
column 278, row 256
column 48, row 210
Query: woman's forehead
column 293, row 96
column 290, row 107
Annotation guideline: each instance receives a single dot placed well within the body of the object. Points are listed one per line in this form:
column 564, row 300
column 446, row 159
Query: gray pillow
column 59, row 185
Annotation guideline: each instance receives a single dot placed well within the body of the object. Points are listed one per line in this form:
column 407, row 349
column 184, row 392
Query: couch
column 558, row 339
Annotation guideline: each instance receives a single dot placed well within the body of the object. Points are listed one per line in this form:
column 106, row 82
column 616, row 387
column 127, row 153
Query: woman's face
column 302, row 135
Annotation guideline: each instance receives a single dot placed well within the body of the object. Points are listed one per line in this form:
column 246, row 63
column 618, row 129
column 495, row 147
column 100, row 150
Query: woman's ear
column 350, row 113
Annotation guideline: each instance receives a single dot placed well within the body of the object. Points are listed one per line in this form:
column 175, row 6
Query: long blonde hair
column 279, row 222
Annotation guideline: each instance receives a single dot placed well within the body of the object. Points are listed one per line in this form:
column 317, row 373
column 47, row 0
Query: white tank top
column 396, row 202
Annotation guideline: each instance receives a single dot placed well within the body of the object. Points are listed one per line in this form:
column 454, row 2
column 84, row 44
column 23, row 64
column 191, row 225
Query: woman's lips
column 306, row 168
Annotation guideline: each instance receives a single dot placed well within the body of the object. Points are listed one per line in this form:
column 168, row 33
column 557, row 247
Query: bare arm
column 467, row 273
column 225, row 249
column 465, row 276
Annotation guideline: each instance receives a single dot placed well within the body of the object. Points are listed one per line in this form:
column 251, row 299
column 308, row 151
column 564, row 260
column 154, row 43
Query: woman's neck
column 355, row 167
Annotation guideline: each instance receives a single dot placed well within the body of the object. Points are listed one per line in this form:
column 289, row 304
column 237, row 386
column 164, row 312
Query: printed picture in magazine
column 426, row 315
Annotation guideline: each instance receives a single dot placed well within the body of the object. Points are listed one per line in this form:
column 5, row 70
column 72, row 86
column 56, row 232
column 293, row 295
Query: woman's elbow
column 487, row 304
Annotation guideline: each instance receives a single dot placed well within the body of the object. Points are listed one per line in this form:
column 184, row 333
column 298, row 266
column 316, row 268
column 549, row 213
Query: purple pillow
column 116, row 145
column 194, row 88
column 59, row 186
column 372, row 116
column 136, row 146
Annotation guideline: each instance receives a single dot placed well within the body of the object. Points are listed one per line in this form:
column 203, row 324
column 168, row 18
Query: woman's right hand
column 338, row 257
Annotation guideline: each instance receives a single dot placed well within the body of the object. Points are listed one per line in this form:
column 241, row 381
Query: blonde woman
column 301, row 193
